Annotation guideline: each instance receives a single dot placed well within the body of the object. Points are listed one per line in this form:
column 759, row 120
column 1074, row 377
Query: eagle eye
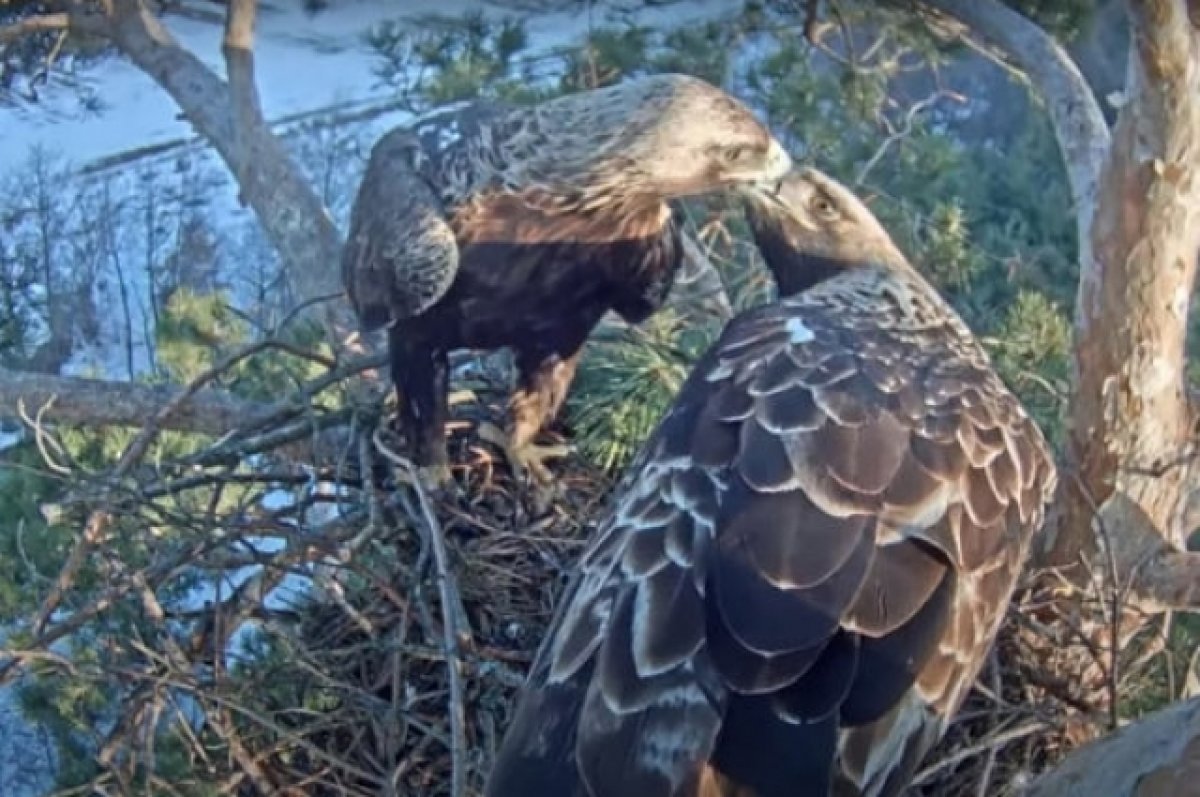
column 823, row 207
column 736, row 153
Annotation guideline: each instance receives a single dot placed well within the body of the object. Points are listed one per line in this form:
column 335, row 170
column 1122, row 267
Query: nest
column 372, row 704
column 371, row 694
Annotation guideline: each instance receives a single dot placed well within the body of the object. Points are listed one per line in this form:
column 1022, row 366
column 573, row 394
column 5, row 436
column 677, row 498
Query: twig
column 909, row 119
column 451, row 610
column 991, row 742
column 985, row 777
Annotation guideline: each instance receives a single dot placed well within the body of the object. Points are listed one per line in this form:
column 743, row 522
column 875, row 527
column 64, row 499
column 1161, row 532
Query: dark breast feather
column 531, row 278
column 801, row 575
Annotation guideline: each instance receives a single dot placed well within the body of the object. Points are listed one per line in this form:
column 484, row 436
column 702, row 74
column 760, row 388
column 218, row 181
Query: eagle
column 803, row 570
column 494, row 226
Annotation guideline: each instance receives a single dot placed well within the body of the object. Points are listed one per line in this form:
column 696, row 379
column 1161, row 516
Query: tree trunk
column 1130, row 460
column 1127, row 481
column 228, row 116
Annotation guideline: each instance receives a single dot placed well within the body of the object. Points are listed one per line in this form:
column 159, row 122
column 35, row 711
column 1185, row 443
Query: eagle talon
column 529, row 461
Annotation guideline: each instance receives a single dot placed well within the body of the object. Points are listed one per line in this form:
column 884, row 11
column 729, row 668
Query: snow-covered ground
column 137, row 163
column 303, row 64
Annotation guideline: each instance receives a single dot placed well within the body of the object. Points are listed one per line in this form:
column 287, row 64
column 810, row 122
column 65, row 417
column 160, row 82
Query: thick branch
column 1171, row 581
column 1159, row 756
column 239, row 66
column 76, row 21
column 293, row 216
column 40, row 23
column 96, row 402
column 1154, row 573
column 1078, row 121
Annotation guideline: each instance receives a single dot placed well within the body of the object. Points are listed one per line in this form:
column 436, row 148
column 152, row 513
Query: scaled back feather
column 804, row 569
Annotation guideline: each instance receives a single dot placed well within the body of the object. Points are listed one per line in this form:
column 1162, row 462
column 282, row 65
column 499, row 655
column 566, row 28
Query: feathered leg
column 421, row 375
column 542, row 387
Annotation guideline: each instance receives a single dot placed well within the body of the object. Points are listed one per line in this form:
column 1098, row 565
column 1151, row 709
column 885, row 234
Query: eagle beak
column 778, row 164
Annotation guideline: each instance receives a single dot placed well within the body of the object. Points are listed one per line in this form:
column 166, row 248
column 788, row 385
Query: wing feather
column 815, row 548
column 400, row 257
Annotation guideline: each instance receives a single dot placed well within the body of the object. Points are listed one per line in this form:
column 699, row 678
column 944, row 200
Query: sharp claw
column 529, row 459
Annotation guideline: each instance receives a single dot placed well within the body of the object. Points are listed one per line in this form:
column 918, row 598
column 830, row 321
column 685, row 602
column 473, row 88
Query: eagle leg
column 421, row 375
column 540, row 394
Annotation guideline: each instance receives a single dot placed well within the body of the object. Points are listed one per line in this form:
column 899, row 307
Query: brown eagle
column 807, row 563
column 497, row 226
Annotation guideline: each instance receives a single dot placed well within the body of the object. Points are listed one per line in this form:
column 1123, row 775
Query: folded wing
column 801, row 575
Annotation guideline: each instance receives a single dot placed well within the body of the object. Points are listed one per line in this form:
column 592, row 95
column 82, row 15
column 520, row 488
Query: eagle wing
column 402, row 255
column 805, row 565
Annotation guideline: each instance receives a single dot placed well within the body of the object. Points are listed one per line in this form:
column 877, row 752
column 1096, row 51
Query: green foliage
column 1062, row 18
column 628, row 380
column 1032, row 351
column 195, row 332
column 29, row 546
column 443, row 59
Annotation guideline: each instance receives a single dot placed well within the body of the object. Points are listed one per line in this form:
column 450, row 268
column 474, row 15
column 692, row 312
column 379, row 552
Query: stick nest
column 385, row 665
column 393, row 669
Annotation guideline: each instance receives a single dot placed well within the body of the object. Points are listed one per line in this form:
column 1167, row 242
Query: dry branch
column 99, row 402
column 1074, row 110
column 39, row 23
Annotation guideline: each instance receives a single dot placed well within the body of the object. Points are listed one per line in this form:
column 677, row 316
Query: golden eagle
column 808, row 561
column 520, row 227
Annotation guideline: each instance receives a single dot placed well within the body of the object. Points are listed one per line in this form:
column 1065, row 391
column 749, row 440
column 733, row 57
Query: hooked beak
column 778, row 164
column 766, row 188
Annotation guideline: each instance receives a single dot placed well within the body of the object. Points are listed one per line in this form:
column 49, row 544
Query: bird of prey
column 496, row 226
column 807, row 563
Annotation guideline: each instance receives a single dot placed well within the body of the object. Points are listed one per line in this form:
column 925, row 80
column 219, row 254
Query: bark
column 1127, row 482
column 97, row 402
column 228, row 116
column 1158, row 756
column 1131, row 425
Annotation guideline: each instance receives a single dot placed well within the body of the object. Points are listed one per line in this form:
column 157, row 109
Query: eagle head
column 665, row 136
column 808, row 227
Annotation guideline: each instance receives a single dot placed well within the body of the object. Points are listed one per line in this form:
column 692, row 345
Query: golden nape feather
column 806, row 565
column 492, row 226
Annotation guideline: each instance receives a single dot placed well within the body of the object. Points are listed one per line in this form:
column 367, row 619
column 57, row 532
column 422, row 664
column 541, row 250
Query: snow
column 302, row 64
column 8, row 439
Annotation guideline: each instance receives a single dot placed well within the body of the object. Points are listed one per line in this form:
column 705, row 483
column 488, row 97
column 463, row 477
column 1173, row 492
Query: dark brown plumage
column 805, row 566
column 522, row 227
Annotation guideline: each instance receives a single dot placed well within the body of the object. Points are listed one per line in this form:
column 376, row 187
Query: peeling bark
column 1131, row 423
